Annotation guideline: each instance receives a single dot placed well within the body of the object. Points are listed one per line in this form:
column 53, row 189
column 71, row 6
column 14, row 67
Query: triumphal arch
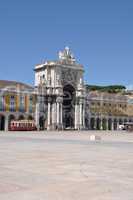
column 60, row 93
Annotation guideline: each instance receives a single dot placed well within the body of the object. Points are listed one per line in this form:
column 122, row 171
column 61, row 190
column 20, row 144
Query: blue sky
column 99, row 32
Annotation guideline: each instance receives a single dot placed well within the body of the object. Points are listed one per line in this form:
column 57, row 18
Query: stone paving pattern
column 66, row 166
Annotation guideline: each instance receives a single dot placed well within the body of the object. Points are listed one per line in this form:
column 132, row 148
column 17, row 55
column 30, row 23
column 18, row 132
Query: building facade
column 108, row 111
column 17, row 101
column 60, row 99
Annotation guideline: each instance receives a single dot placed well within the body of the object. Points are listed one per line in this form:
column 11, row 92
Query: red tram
column 22, row 125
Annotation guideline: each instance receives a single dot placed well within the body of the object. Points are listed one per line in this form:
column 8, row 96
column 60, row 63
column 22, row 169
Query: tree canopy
column 110, row 88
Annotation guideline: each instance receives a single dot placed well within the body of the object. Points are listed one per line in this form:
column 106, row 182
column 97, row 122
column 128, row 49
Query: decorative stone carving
column 69, row 75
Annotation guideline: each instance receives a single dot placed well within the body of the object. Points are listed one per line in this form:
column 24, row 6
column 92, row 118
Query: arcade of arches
column 97, row 123
column 5, row 120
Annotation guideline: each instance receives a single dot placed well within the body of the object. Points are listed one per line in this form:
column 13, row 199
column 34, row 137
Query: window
column 31, row 98
column 31, row 104
column 22, row 103
column 2, row 103
column 12, row 103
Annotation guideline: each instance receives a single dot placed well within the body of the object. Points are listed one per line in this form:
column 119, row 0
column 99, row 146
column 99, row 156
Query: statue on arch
column 66, row 55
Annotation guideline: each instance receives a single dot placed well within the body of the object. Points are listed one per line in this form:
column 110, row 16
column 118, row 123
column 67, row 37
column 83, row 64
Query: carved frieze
column 69, row 76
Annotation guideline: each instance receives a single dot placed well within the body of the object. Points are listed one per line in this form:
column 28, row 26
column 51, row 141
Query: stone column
column 81, row 115
column 37, row 114
column 76, row 116
column 101, row 124
column 84, row 116
column 49, row 114
column 6, row 123
column 112, row 125
column 58, row 114
column 54, row 116
column 107, row 124
column 61, row 116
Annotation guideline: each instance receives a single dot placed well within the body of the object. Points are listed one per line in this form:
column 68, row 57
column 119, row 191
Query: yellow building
column 17, row 101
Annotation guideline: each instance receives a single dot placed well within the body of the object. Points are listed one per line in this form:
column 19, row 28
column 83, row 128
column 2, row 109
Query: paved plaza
column 66, row 166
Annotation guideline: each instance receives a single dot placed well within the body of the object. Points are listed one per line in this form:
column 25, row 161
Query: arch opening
column 110, row 124
column 92, row 123
column 21, row 117
column 2, row 122
column 30, row 117
column 42, row 123
column 68, row 106
column 115, row 124
column 104, row 124
column 98, row 124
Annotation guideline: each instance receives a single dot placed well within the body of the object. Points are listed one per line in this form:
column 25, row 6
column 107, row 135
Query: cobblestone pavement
column 66, row 166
